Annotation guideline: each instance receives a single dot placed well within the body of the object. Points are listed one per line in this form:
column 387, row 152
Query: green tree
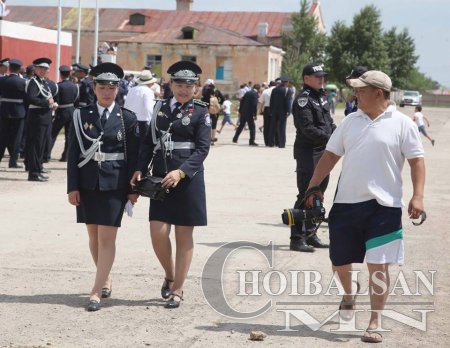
column 303, row 44
column 417, row 81
column 400, row 49
column 360, row 44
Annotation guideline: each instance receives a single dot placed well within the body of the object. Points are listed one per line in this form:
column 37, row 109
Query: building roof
column 204, row 34
column 244, row 23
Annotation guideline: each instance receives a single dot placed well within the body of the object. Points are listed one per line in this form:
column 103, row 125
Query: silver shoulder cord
column 166, row 135
column 96, row 143
column 45, row 94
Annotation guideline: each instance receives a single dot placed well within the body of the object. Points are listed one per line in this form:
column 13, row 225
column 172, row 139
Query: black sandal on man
column 165, row 289
column 173, row 303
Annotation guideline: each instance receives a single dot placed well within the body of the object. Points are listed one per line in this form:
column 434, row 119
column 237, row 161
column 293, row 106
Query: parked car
column 411, row 98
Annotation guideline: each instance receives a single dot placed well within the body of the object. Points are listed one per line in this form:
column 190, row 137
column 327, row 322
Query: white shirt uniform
column 141, row 100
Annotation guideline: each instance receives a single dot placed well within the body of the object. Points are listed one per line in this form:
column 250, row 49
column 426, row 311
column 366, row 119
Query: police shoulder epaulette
column 127, row 110
column 199, row 102
column 306, row 92
column 158, row 99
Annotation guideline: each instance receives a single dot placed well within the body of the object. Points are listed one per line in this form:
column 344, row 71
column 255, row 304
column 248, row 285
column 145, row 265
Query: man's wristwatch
column 182, row 174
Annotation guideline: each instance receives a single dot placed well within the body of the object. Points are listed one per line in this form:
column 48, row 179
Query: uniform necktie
column 176, row 109
column 104, row 118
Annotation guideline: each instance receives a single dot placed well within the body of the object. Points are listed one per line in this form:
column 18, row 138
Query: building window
column 137, row 19
column 224, row 68
column 190, row 58
column 188, row 33
column 155, row 64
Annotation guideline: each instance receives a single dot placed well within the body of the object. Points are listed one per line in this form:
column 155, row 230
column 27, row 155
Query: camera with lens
column 316, row 214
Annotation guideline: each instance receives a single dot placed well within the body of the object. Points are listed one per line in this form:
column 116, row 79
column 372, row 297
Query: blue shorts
column 423, row 130
column 365, row 230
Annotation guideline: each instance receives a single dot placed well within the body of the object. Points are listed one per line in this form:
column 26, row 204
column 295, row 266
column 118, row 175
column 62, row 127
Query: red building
column 27, row 43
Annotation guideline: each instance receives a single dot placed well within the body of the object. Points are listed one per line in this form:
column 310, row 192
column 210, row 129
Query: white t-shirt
column 141, row 100
column 264, row 98
column 418, row 118
column 227, row 107
column 374, row 153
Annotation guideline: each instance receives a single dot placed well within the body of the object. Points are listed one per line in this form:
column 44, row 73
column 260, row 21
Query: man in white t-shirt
column 141, row 100
column 365, row 220
column 419, row 119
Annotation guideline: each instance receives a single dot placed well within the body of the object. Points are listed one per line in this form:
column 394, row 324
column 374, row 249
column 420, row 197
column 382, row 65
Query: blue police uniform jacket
column 312, row 120
column 35, row 98
column 191, row 125
column 68, row 93
column 119, row 136
column 12, row 91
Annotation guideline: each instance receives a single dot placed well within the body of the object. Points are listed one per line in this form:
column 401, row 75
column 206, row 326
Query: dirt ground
column 46, row 271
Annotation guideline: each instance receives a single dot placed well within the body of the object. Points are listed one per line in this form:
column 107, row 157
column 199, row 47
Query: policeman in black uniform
column 39, row 118
column 102, row 155
column 68, row 93
column 185, row 127
column 351, row 104
column 12, row 112
column 314, row 126
column 87, row 96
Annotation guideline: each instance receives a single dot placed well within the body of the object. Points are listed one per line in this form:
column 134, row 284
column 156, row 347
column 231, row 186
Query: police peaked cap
column 184, row 71
column 64, row 68
column 4, row 62
column 42, row 62
column 356, row 72
column 80, row 67
column 107, row 73
column 15, row 62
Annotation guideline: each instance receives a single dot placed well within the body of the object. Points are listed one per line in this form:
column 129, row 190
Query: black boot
column 300, row 245
column 316, row 242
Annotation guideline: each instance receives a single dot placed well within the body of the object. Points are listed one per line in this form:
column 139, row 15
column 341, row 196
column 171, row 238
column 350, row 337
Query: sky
column 427, row 21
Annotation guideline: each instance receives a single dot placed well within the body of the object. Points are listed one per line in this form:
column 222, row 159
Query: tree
column 360, row 44
column 417, row 81
column 400, row 49
column 303, row 45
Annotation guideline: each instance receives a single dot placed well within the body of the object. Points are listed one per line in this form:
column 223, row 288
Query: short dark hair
column 387, row 95
column 419, row 108
column 65, row 74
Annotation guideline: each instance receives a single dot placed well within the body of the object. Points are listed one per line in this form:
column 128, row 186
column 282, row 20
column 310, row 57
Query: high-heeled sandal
column 172, row 303
column 165, row 289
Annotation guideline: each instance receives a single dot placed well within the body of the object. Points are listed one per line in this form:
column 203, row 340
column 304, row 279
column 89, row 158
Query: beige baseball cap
column 374, row 78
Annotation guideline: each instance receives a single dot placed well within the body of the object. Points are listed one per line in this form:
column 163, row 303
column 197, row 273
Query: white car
column 411, row 98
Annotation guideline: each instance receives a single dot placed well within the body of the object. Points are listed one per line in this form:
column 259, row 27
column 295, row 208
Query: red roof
column 244, row 23
column 205, row 34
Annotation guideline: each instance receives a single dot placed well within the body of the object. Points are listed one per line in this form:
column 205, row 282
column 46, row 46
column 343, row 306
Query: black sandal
column 172, row 303
column 106, row 293
column 165, row 289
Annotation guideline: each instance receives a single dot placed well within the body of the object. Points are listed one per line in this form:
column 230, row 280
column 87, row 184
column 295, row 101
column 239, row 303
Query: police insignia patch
column 208, row 120
column 302, row 102
column 185, row 120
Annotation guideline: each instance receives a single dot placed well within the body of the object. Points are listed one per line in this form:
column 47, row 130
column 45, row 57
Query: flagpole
column 77, row 56
column 58, row 42
column 94, row 59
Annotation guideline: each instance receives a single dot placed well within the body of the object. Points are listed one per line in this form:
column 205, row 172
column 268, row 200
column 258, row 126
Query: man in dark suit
column 12, row 112
column 39, row 118
column 248, row 109
column 280, row 108
column 68, row 93
column 86, row 85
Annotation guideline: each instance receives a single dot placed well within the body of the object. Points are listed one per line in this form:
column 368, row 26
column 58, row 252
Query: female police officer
column 102, row 156
column 185, row 126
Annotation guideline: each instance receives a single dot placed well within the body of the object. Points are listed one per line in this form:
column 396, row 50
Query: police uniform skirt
column 185, row 205
column 101, row 207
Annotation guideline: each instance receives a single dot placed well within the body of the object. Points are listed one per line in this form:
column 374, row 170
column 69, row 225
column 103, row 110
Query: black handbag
column 150, row 186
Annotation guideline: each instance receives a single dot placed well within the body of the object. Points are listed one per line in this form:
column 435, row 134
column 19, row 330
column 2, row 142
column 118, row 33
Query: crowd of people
column 120, row 129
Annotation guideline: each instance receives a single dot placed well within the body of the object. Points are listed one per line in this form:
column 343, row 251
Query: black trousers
column 11, row 130
column 277, row 130
column 60, row 122
column 143, row 129
column 266, row 119
column 36, row 138
column 307, row 160
column 251, row 127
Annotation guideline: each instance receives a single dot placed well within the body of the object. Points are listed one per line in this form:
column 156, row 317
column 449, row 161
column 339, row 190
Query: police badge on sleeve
column 208, row 120
column 302, row 102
